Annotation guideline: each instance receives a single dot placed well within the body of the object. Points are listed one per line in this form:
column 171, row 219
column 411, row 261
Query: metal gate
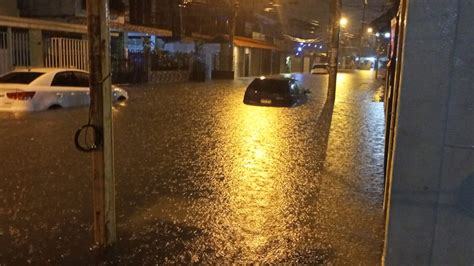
column 5, row 64
column 67, row 53
column 131, row 69
column 20, row 49
column 14, row 50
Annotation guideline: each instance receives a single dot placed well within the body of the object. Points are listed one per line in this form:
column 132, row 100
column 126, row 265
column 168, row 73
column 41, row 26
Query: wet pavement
column 203, row 178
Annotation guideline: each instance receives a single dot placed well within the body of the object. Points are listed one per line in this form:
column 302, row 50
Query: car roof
column 277, row 78
column 48, row 74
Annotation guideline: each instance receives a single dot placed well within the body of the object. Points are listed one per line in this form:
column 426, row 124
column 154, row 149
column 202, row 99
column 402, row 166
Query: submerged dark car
column 283, row 92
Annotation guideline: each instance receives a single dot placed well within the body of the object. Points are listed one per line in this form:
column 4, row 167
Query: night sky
column 319, row 10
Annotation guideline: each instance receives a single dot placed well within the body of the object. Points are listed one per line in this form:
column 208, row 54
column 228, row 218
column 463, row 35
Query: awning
column 141, row 29
column 382, row 23
column 252, row 43
column 38, row 24
column 239, row 41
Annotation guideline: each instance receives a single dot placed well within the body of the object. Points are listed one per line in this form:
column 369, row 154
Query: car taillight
column 21, row 95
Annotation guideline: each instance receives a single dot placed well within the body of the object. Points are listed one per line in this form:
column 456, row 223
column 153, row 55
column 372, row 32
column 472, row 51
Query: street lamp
column 370, row 30
column 343, row 22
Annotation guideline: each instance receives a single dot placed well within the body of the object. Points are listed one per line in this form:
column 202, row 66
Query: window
column 20, row 77
column 82, row 79
column 270, row 86
column 65, row 79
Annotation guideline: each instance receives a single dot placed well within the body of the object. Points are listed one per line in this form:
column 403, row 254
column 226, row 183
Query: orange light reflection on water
column 256, row 197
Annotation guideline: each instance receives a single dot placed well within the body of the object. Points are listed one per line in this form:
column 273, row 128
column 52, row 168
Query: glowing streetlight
column 343, row 22
column 370, row 30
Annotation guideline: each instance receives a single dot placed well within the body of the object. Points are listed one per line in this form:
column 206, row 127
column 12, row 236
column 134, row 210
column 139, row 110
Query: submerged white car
column 37, row 89
column 320, row 68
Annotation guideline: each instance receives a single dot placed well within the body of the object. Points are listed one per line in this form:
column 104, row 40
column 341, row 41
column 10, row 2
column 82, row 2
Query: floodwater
column 203, row 178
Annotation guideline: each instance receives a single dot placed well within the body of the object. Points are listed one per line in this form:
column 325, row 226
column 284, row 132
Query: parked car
column 37, row 89
column 285, row 92
column 320, row 68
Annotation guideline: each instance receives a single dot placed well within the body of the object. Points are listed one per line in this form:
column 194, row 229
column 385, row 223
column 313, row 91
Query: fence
column 20, row 49
column 67, row 53
column 14, row 50
column 129, row 70
column 5, row 64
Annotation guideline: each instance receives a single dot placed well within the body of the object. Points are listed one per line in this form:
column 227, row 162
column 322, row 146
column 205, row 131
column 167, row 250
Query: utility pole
column 362, row 28
column 101, row 117
column 335, row 8
column 235, row 5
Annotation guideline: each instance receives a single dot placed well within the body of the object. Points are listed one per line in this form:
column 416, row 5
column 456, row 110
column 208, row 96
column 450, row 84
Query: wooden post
column 101, row 111
column 335, row 8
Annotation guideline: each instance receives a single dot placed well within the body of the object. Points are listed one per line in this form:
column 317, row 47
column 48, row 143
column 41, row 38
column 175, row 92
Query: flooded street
column 203, row 178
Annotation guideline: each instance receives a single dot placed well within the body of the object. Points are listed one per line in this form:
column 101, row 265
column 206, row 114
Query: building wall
column 238, row 61
column 52, row 8
column 255, row 62
column 296, row 64
column 36, row 48
column 431, row 203
column 9, row 8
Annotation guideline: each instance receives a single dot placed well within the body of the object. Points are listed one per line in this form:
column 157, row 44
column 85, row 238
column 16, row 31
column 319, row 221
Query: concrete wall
column 296, row 64
column 209, row 51
column 51, row 8
column 238, row 61
column 9, row 8
column 36, row 48
column 431, row 207
column 255, row 62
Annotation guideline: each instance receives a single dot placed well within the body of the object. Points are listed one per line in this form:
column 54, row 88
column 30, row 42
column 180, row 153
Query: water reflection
column 262, row 201
column 255, row 195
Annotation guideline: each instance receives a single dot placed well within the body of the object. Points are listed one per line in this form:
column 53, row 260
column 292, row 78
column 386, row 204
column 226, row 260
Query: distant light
column 301, row 43
column 357, row 59
column 370, row 30
column 320, row 47
column 343, row 22
column 387, row 35
column 300, row 49
column 377, row 34
column 297, row 54
column 262, row 77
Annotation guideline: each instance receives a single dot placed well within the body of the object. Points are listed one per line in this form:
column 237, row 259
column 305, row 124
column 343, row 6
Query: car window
column 66, row 79
column 20, row 77
column 270, row 86
column 82, row 79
